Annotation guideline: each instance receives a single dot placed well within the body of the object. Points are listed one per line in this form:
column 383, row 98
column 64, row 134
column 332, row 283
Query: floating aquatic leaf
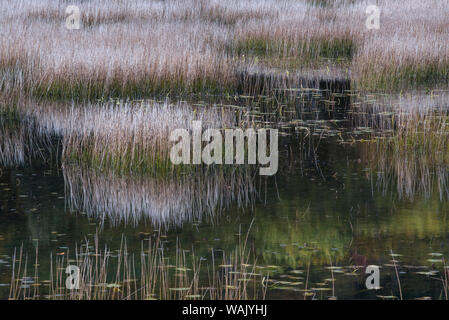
column 288, row 283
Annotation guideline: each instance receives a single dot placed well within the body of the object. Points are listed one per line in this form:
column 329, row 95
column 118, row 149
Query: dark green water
column 323, row 208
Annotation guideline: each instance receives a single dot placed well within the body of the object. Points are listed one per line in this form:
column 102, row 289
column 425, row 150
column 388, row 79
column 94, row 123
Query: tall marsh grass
column 132, row 138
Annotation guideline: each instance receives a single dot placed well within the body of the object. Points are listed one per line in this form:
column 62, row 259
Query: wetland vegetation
column 86, row 178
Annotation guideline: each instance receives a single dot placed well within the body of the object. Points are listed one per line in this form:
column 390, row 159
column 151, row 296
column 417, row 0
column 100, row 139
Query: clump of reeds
column 411, row 142
column 122, row 50
column 150, row 274
column 126, row 137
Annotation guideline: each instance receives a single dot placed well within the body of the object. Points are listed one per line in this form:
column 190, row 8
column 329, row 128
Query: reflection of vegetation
column 164, row 201
column 412, row 151
column 300, row 239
